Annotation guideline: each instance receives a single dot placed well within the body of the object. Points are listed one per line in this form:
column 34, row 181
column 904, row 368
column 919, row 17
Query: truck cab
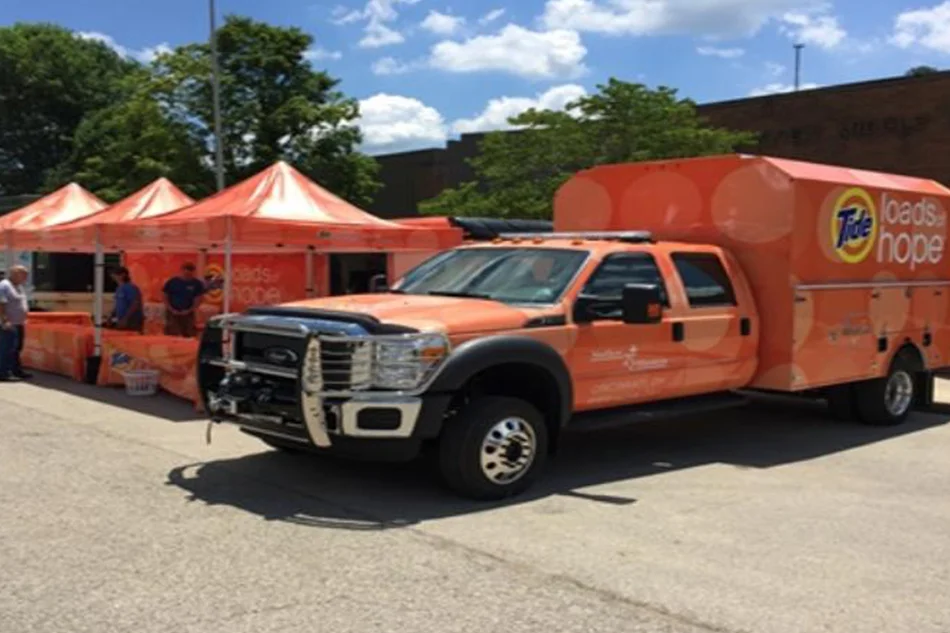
column 486, row 352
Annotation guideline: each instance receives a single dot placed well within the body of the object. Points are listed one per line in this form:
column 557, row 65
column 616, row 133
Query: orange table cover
column 58, row 348
column 71, row 318
column 175, row 359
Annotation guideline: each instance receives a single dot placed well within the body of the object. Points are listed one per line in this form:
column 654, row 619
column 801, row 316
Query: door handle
column 679, row 332
column 745, row 326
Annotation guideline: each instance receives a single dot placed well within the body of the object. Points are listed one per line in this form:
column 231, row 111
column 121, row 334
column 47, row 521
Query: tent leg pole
column 99, row 284
column 309, row 269
column 9, row 255
column 227, row 269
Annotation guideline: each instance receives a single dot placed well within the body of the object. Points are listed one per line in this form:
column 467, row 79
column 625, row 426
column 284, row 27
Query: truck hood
column 449, row 315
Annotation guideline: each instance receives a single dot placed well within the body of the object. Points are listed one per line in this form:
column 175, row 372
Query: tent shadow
column 162, row 405
column 328, row 493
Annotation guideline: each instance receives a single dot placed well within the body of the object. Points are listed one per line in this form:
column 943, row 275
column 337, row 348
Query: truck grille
column 345, row 364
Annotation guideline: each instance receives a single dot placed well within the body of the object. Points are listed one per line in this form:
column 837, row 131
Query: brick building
column 897, row 125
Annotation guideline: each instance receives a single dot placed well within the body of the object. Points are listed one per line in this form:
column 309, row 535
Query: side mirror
column 378, row 283
column 642, row 304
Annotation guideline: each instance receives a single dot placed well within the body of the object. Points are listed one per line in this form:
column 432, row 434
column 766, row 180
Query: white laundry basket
column 141, row 382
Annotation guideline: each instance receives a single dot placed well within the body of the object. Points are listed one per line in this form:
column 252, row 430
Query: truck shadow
column 321, row 492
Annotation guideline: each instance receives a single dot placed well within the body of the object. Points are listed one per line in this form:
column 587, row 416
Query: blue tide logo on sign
column 854, row 226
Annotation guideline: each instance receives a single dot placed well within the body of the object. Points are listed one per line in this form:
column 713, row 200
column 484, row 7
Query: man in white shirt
column 13, row 310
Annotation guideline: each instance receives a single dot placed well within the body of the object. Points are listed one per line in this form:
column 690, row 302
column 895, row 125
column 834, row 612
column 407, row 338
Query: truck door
column 712, row 332
column 613, row 363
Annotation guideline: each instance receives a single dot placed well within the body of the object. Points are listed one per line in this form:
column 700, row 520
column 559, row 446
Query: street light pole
column 798, row 65
column 216, row 103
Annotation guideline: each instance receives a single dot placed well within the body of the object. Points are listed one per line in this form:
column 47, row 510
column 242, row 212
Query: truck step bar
column 647, row 412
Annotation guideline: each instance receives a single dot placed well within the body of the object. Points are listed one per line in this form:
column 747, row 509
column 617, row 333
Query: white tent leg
column 227, row 268
column 99, row 286
column 9, row 255
column 309, row 268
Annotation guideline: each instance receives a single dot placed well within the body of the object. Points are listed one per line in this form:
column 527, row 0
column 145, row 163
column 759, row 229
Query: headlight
column 406, row 362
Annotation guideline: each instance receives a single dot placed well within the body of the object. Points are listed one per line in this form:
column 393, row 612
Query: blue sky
column 428, row 70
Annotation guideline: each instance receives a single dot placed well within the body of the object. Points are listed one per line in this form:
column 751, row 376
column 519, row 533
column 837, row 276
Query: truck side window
column 616, row 271
column 705, row 280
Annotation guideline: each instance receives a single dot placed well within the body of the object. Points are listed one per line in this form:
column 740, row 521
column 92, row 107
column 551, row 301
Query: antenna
column 798, row 65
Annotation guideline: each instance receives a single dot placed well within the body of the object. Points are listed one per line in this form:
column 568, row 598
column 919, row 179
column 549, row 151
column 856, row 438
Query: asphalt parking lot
column 769, row 519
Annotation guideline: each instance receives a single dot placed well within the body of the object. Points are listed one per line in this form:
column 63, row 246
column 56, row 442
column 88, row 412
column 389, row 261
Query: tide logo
column 854, row 226
column 215, row 292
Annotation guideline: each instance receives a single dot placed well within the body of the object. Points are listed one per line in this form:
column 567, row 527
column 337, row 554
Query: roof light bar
column 630, row 237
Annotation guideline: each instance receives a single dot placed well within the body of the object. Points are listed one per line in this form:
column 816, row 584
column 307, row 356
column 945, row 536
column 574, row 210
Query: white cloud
column 516, row 50
column 491, row 16
column 725, row 53
column 393, row 123
column 496, row 114
column 378, row 15
column 780, row 88
column 927, row 28
column 774, row 70
column 390, row 66
column 145, row 55
column 815, row 28
column 378, row 35
column 713, row 18
column 318, row 54
column 442, row 23
column 149, row 54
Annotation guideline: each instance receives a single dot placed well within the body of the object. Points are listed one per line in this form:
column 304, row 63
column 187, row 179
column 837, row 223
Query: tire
column 842, row 403
column 472, row 467
column 889, row 400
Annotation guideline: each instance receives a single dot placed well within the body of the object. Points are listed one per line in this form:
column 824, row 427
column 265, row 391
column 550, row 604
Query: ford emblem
column 280, row 356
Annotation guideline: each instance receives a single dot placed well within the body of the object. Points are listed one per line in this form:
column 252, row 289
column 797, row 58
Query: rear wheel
column 889, row 400
column 493, row 448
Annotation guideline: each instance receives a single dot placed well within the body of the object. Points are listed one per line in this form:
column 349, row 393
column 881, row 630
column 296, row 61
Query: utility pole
column 216, row 102
column 798, row 65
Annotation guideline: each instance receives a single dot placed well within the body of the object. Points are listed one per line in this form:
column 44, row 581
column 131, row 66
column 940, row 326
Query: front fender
column 473, row 357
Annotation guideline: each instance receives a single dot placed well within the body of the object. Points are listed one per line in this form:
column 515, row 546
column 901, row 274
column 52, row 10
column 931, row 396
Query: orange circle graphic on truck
column 853, row 225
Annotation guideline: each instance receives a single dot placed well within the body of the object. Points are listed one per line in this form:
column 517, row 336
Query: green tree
column 50, row 80
column 274, row 106
column 918, row 71
column 519, row 172
column 120, row 149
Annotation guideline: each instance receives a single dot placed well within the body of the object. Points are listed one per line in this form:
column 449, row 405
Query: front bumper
column 253, row 378
column 375, row 422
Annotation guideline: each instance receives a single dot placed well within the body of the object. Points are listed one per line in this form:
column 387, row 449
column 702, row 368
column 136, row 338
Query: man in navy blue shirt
column 182, row 299
column 128, row 313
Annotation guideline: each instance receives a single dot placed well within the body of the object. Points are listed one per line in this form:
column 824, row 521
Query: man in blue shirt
column 128, row 313
column 182, row 299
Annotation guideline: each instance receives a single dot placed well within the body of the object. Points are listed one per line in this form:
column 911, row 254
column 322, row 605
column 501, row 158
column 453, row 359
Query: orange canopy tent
column 276, row 210
column 152, row 201
column 67, row 204
column 82, row 231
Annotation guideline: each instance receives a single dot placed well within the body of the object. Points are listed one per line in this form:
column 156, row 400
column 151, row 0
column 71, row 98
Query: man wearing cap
column 182, row 299
column 13, row 309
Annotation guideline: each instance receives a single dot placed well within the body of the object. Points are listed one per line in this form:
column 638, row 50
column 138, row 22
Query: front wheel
column 889, row 400
column 493, row 448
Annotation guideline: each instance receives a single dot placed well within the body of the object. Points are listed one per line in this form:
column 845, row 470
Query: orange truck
column 667, row 287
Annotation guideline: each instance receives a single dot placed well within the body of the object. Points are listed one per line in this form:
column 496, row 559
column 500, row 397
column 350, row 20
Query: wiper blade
column 460, row 295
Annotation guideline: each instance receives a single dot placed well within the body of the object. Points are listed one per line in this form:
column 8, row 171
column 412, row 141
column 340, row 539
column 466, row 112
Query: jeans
column 11, row 344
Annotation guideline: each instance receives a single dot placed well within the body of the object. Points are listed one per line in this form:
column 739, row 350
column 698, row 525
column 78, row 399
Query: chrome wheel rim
column 508, row 451
column 899, row 393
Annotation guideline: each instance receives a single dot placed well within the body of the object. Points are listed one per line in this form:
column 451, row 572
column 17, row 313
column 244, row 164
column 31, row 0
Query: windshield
column 510, row 275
